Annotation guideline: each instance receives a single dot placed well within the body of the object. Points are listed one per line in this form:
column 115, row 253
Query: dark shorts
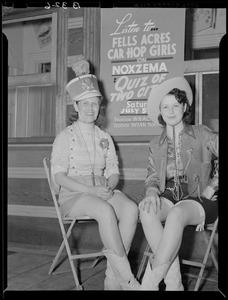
column 210, row 207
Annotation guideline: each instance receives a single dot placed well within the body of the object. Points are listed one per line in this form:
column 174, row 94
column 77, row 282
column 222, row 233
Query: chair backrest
column 54, row 188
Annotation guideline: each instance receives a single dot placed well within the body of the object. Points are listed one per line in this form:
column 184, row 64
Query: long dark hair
column 181, row 97
column 100, row 118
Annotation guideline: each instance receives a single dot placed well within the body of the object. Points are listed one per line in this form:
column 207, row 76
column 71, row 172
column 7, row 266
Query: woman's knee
column 147, row 216
column 124, row 207
column 187, row 212
column 131, row 210
column 177, row 215
column 106, row 214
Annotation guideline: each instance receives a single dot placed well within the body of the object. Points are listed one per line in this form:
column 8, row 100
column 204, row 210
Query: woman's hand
column 101, row 191
column 151, row 201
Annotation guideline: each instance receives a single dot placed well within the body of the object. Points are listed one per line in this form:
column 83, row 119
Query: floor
column 28, row 265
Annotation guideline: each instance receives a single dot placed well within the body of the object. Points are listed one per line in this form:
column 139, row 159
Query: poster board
column 140, row 48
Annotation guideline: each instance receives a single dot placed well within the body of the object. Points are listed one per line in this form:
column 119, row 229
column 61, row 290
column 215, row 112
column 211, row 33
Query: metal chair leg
column 143, row 262
column 54, row 263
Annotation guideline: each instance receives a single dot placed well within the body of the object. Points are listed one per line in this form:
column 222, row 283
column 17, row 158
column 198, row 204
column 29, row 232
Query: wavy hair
column 181, row 98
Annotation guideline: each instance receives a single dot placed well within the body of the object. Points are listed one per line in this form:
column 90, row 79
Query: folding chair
column 209, row 251
column 212, row 228
column 66, row 234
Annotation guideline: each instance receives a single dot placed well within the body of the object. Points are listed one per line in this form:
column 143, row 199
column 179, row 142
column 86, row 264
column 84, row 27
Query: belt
column 182, row 179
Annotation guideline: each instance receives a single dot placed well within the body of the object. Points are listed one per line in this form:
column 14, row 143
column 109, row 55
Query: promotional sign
column 140, row 48
column 43, row 32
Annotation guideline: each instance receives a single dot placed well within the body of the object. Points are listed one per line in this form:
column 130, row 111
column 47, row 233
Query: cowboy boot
column 152, row 277
column 110, row 282
column 122, row 271
column 173, row 277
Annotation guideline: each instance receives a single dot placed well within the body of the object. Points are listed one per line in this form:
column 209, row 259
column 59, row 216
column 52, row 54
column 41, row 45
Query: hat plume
column 79, row 65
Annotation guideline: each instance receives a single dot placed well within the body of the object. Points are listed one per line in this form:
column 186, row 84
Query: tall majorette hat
column 85, row 85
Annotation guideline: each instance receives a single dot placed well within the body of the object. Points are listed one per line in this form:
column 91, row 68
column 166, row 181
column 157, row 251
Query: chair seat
column 82, row 218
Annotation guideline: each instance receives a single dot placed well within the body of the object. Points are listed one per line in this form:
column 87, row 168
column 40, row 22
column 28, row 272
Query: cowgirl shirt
column 194, row 155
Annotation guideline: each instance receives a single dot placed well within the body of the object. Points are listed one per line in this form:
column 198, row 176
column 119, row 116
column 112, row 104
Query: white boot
column 122, row 270
column 173, row 279
column 152, row 277
column 110, row 282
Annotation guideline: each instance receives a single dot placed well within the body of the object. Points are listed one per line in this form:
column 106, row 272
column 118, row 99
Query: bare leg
column 105, row 215
column 152, row 226
column 179, row 217
column 165, row 244
column 127, row 215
